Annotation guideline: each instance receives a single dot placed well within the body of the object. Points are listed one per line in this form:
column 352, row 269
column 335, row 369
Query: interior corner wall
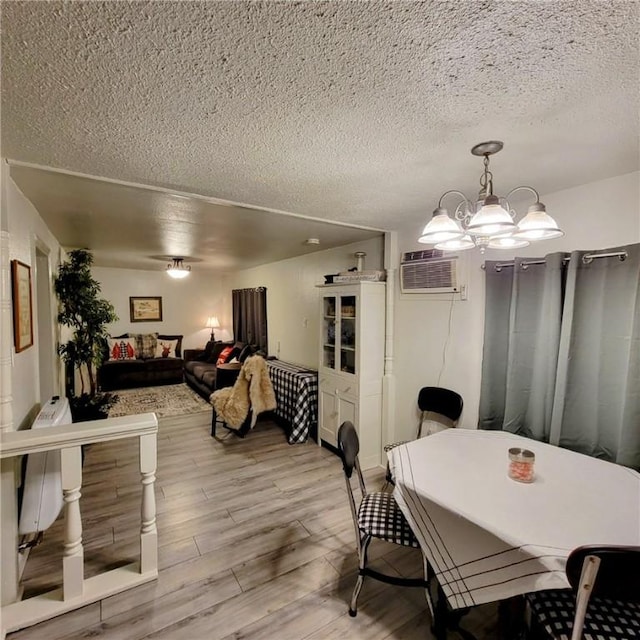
column 186, row 303
column 293, row 297
column 21, row 228
column 26, row 228
column 439, row 338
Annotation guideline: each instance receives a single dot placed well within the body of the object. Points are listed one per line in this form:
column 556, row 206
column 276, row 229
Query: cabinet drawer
column 339, row 385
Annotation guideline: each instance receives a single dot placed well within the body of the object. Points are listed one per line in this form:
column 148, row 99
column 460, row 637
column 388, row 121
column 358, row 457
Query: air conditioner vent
column 423, row 254
column 429, row 276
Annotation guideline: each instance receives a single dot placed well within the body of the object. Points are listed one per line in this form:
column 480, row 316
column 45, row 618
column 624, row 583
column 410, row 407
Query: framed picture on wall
column 145, row 309
column 22, row 305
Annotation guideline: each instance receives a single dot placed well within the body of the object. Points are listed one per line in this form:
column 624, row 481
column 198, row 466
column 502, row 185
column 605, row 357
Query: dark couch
column 139, row 372
column 200, row 367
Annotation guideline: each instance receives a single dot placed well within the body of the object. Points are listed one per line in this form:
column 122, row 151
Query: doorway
column 45, row 326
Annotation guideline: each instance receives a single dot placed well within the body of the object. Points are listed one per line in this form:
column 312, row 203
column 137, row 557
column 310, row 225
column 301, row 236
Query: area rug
column 167, row 400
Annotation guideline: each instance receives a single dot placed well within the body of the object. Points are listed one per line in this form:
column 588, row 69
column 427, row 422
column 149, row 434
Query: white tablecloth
column 489, row 537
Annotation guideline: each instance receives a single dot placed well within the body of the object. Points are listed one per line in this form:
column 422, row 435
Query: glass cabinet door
column 329, row 325
column 347, row 325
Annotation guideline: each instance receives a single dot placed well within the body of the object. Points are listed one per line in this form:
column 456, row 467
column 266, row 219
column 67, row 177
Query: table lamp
column 212, row 323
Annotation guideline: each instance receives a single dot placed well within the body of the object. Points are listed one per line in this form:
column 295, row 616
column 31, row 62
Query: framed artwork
column 22, row 305
column 145, row 309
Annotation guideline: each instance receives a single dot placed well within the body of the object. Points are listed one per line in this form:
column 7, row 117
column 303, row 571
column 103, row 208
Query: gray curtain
column 597, row 400
column 561, row 358
column 250, row 316
column 522, row 333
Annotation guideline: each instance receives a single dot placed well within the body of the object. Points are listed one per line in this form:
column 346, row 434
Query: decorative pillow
column 216, row 350
column 122, row 349
column 225, row 355
column 178, row 347
column 145, row 344
column 166, row 348
column 245, row 353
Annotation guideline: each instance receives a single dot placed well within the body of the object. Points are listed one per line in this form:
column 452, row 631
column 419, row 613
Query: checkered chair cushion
column 379, row 516
column 605, row 620
column 393, row 445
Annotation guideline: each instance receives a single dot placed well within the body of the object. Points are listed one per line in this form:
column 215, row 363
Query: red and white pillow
column 224, row 355
column 122, row 349
column 166, row 348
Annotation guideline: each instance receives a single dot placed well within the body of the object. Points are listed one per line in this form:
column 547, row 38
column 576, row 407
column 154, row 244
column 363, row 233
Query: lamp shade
column 212, row 323
column 440, row 228
column 507, row 242
column 457, row 244
column 538, row 225
column 492, row 219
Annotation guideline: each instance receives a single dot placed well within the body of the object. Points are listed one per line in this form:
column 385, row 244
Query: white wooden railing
column 76, row 591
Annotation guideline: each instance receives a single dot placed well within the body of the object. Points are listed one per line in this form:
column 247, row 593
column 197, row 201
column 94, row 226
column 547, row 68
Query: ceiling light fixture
column 490, row 221
column 177, row 269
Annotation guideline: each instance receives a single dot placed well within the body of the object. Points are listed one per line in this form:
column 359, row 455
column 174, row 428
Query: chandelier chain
column 486, row 179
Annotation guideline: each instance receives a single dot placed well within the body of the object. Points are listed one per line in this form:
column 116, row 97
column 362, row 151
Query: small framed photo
column 145, row 309
column 22, row 305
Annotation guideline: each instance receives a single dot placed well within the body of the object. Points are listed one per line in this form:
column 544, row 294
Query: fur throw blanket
column 252, row 390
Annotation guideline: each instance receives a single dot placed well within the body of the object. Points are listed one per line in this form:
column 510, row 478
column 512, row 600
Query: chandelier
column 177, row 268
column 490, row 221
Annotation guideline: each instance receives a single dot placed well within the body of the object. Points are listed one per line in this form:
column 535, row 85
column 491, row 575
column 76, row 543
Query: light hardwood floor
column 255, row 542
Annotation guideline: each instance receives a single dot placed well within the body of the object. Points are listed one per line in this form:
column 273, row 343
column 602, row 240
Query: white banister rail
column 75, row 591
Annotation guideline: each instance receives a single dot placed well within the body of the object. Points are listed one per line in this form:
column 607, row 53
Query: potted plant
column 87, row 315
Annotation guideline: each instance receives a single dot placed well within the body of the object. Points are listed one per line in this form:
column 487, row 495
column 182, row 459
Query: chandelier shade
column 538, row 225
column 490, row 222
column 441, row 228
column 177, row 269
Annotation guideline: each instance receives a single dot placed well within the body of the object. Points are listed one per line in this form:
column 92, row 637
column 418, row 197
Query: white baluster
column 73, row 556
column 148, row 530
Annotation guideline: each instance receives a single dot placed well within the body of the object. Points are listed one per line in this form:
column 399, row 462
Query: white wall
column 186, row 303
column 292, row 296
column 26, row 229
column 593, row 216
column 22, row 228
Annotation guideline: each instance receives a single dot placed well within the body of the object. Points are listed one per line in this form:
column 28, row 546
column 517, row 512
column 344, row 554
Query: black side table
column 226, row 375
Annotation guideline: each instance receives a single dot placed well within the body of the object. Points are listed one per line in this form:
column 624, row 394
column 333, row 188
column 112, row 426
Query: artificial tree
column 81, row 309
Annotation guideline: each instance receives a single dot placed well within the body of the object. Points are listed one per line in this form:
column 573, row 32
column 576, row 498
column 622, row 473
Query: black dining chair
column 376, row 516
column 603, row 602
column 436, row 404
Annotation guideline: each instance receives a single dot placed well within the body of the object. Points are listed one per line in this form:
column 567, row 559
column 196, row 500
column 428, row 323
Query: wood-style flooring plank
column 255, row 538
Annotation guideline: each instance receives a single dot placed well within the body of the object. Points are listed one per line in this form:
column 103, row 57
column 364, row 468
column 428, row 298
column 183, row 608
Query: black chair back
column 443, row 401
column 618, row 577
column 348, row 446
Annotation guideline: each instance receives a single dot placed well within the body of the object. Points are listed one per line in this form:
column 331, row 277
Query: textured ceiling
column 361, row 112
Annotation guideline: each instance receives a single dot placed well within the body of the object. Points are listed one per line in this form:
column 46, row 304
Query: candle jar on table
column 521, row 463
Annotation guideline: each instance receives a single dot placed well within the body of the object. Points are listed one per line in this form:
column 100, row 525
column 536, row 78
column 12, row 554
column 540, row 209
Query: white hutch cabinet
column 352, row 333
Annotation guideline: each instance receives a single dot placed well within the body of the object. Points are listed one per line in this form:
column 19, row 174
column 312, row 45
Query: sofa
column 201, row 370
column 141, row 360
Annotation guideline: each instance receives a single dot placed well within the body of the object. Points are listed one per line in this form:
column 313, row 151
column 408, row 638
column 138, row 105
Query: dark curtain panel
column 250, row 316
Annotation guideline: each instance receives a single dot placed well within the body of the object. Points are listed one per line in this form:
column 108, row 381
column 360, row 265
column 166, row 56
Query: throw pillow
column 145, row 344
column 225, row 354
column 216, row 350
column 245, row 353
column 166, row 348
column 177, row 338
column 121, row 349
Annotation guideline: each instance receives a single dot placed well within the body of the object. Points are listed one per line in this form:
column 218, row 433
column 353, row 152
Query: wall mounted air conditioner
column 429, row 271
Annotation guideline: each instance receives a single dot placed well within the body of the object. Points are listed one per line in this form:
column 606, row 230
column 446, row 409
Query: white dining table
column 489, row 537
